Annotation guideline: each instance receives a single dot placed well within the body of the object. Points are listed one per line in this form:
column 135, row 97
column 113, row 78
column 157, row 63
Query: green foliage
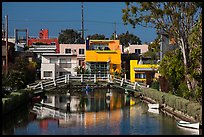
column 177, row 20
column 172, row 68
column 26, row 47
column 20, row 74
column 70, row 36
column 81, row 70
column 155, row 85
column 194, row 110
column 97, row 37
column 16, row 79
column 183, row 91
column 153, row 50
column 128, row 38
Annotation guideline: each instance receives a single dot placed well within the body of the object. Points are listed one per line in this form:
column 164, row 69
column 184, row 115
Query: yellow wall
column 114, row 55
column 134, row 64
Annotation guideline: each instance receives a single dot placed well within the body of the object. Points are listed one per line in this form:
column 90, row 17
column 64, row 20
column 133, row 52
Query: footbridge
column 84, row 78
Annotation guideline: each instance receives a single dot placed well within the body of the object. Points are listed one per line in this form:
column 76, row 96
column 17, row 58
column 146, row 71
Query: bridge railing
column 67, row 78
column 126, row 82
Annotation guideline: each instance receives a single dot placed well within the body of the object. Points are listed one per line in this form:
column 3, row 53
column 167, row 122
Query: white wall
column 54, row 67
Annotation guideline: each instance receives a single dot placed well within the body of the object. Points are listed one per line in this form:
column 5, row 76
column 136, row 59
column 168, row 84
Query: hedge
column 187, row 107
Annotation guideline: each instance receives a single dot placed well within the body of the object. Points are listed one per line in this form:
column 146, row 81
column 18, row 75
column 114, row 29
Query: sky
column 99, row 17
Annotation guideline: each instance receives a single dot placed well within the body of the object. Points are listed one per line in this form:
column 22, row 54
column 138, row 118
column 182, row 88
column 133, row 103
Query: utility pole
column 6, row 44
column 82, row 16
column 114, row 30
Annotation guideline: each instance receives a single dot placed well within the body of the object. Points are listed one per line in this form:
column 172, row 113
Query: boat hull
column 153, row 106
column 188, row 124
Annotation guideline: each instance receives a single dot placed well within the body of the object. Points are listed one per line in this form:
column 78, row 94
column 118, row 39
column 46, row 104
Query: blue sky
column 99, row 17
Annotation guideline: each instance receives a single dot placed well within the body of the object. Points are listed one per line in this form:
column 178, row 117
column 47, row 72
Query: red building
column 44, row 38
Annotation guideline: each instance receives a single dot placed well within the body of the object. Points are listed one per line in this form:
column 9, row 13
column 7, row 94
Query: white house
column 139, row 49
column 55, row 64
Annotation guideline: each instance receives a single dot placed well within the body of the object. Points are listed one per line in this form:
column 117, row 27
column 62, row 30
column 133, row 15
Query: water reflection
column 102, row 112
column 91, row 102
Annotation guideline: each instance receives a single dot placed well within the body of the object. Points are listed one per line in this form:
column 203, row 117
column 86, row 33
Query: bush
column 155, row 85
column 194, row 110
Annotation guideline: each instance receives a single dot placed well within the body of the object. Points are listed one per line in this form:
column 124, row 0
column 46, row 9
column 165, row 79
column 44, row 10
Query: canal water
column 97, row 112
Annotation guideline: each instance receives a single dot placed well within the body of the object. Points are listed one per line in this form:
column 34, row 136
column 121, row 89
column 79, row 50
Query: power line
column 94, row 21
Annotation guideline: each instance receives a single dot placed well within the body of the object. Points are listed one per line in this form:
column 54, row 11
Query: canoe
column 153, row 106
column 188, row 124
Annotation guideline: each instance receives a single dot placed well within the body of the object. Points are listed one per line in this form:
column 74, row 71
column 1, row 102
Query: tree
column 172, row 68
column 21, row 73
column 97, row 37
column 127, row 38
column 70, row 36
column 173, row 18
column 153, row 49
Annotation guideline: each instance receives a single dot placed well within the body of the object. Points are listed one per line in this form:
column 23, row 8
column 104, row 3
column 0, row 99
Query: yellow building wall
column 113, row 55
column 134, row 64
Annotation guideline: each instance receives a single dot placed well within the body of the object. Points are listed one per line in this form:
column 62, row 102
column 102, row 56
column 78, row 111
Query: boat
column 155, row 111
column 153, row 106
column 188, row 124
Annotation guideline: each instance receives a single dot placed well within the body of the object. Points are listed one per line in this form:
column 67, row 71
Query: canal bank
column 15, row 100
column 175, row 106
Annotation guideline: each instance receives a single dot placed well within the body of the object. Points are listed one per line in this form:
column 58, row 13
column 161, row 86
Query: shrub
column 155, row 85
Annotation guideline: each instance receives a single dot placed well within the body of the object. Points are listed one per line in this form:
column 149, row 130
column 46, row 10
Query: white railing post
column 108, row 77
column 135, row 84
column 68, row 78
column 65, row 79
column 94, row 78
column 125, row 77
column 41, row 85
column 121, row 83
column 81, row 78
column 54, row 82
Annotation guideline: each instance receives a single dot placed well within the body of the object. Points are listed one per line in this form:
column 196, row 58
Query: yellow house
column 140, row 72
column 103, row 57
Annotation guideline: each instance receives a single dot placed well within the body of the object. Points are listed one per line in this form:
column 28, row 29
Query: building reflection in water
column 86, row 110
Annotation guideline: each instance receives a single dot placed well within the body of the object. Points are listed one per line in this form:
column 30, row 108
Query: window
column 64, row 73
column 67, row 50
column 53, row 60
column 138, row 51
column 63, row 63
column 81, row 62
column 52, row 43
column 47, row 73
column 140, row 75
column 81, row 51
